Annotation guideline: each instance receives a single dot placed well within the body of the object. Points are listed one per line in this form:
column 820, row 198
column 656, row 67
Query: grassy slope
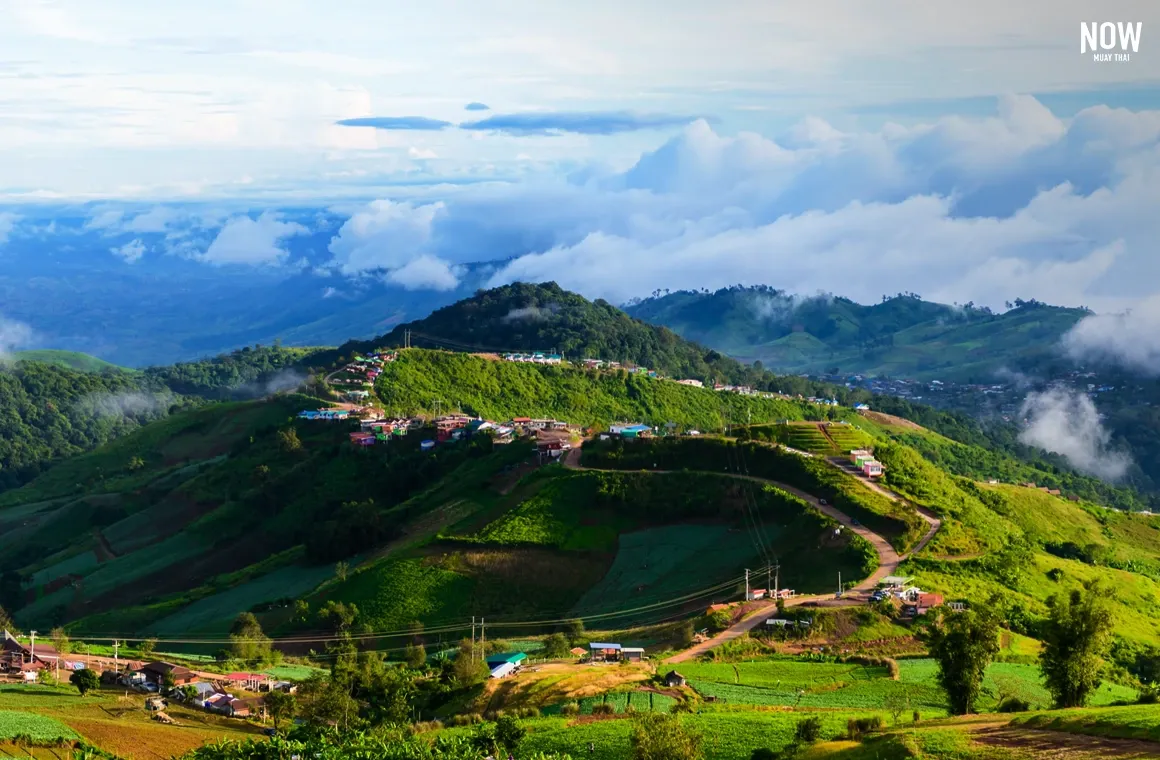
column 562, row 543
column 502, row 390
column 70, row 359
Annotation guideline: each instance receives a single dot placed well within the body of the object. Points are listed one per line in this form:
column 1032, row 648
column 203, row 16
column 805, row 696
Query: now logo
column 1108, row 36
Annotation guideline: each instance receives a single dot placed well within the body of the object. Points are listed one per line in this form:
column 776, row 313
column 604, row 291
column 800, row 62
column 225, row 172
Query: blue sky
column 963, row 151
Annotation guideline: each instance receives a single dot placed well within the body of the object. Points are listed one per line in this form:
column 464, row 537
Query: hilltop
column 67, row 359
column 545, row 317
column 903, row 336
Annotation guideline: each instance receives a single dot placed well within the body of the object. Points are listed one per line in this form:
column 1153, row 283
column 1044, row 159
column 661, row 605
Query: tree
column 135, row 463
column 60, row 640
column 468, row 670
column 146, row 647
column 340, row 615
column 280, row 705
column 288, row 440
column 85, row 680
column 575, row 631
column 1077, row 630
column 509, row 733
column 248, row 642
column 808, row 730
column 963, row 644
column 656, row 736
column 556, row 646
column 340, row 571
column 897, row 703
column 415, row 655
column 6, row 623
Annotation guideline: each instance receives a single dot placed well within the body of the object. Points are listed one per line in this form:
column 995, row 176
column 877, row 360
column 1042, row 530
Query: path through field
column 1058, row 745
column 888, row 558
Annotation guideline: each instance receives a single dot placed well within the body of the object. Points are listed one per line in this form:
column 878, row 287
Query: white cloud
column 8, row 222
column 421, row 153
column 384, row 235
column 1130, row 338
column 131, row 251
column 13, row 336
column 244, row 240
column 1067, row 423
column 425, row 273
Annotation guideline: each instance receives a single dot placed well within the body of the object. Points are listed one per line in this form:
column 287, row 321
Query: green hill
column 902, row 336
column 545, row 317
column 68, row 359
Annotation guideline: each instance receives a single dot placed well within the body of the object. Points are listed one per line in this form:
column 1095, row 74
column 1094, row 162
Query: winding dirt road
column 888, row 558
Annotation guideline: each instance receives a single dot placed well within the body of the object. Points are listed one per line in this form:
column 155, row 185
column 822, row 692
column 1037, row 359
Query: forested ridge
column 49, row 411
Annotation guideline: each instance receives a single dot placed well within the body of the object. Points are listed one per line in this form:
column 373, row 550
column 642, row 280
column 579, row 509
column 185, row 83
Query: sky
column 966, row 151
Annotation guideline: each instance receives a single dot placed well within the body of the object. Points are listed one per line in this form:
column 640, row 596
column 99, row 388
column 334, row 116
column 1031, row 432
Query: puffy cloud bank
column 252, row 241
column 1019, row 205
column 1130, row 338
column 1067, row 423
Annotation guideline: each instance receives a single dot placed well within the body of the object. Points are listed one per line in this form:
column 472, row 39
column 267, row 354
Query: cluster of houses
column 329, row 415
column 754, row 594
column 535, row 357
column 25, row 661
column 915, row 601
column 864, row 460
column 553, row 437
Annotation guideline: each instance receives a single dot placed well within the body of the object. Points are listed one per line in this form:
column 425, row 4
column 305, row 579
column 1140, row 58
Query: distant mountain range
column 903, row 336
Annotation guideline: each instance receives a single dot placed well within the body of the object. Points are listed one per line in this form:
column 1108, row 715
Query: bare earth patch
column 1064, row 746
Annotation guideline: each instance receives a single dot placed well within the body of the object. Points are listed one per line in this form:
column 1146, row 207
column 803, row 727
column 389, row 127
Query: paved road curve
column 888, row 558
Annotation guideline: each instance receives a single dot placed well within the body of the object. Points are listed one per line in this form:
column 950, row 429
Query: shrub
column 763, row 753
column 528, row 712
column 808, row 730
column 856, row 728
column 426, row 726
column 1149, row 695
column 1014, row 704
column 603, row 709
column 570, row 708
column 917, row 716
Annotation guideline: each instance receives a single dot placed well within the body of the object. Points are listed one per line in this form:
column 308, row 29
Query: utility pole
column 482, row 641
column 473, row 638
column 116, row 663
column 747, row 584
column 32, row 648
column 839, row 583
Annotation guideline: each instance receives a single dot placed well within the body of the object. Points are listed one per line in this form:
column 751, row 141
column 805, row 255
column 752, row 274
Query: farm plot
column 788, row 673
column 807, row 438
column 728, row 736
column 639, row 701
column 138, row 564
column 658, row 564
column 213, row 614
column 39, row 728
column 856, row 695
column 1015, row 679
column 77, row 564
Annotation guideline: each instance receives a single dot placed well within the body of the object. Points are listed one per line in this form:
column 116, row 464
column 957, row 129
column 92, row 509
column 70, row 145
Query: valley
column 553, row 504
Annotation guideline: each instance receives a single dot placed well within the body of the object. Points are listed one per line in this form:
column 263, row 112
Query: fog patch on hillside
column 139, row 404
column 1067, row 423
column 1130, row 339
column 13, row 335
column 532, row 313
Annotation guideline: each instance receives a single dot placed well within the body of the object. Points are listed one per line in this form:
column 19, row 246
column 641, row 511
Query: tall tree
column 280, row 705
column 1077, row 630
column 248, row 641
column 963, row 644
column 85, row 681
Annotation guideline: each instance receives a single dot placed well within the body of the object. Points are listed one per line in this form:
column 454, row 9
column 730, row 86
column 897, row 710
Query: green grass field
column 213, row 614
column 847, row 686
column 70, row 359
column 1132, row 722
column 36, row 727
column 639, row 701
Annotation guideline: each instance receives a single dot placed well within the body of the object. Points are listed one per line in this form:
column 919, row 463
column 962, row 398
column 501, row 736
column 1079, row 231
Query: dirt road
column 888, row 558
